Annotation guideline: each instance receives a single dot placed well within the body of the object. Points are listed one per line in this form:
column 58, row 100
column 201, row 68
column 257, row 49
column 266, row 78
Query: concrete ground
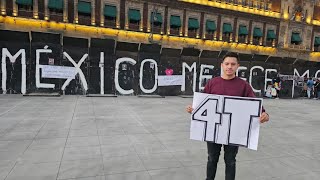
column 131, row 138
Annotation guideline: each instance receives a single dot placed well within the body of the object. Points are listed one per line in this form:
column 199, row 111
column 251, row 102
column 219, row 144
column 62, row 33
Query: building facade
column 129, row 44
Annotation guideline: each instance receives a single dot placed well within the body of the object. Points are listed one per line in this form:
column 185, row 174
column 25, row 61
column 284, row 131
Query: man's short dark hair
column 231, row 54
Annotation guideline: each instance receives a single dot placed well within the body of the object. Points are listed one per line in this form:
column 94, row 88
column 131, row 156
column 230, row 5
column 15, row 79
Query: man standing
column 230, row 85
column 310, row 85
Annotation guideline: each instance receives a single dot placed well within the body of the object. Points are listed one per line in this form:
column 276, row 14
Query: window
column 296, row 39
column 271, row 35
column 175, row 24
column 257, row 35
column 84, row 8
column 226, row 30
column 156, row 19
column 243, row 34
column 134, row 16
column 316, row 44
column 211, row 26
column 156, row 22
column 243, row 31
column 110, row 14
column 193, row 26
column 134, row 19
column 55, row 5
column 25, row 4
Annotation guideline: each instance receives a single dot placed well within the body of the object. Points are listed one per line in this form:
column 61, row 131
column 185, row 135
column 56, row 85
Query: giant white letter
column 295, row 72
column 116, row 78
column 5, row 54
column 250, row 78
column 316, row 75
column 202, row 77
column 239, row 69
column 78, row 71
column 192, row 68
column 38, row 67
column 149, row 91
column 266, row 79
column 101, row 65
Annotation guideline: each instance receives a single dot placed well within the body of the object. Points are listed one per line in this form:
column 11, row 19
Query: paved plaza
column 132, row 138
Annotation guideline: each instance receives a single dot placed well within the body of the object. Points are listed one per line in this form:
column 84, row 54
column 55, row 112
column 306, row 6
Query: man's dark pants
column 230, row 153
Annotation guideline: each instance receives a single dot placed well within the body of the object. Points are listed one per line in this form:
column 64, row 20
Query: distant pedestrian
column 310, row 86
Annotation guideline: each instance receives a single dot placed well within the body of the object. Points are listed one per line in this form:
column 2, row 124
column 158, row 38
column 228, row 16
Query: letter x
column 78, row 71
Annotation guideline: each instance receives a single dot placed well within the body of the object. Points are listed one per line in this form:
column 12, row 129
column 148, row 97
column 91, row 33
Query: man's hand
column 189, row 109
column 264, row 117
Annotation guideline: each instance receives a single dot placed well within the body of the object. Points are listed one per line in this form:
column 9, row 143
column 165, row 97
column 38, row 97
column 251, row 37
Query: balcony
column 84, row 20
column 242, row 39
column 111, row 23
column 156, row 29
column 209, row 35
column 226, row 37
column 175, row 31
column 192, row 34
column 25, row 11
column 256, row 41
column 56, row 16
column 134, row 26
column 269, row 43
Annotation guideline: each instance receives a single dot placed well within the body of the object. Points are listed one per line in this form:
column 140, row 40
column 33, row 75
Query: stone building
column 263, row 31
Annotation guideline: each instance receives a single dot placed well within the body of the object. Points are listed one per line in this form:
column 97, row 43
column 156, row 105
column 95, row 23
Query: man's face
column 229, row 66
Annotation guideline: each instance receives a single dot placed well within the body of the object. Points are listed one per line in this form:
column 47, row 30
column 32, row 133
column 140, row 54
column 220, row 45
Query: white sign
column 172, row 80
column 226, row 120
column 59, row 72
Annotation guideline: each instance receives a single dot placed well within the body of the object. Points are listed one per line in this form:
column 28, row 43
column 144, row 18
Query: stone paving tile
column 114, row 150
column 122, row 164
column 83, row 141
column 191, row 157
column 135, row 130
column 12, row 155
column 142, row 138
column 143, row 175
column 159, row 161
column 45, row 134
column 48, row 143
column 18, row 135
column 5, row 168
column 14, row 145
column 150, row 148
column 78, row 153
column 116, row 139
column 81, row 168
column 183, row 173
column 30, row 171
column 110, row 132
column 41, row 155
column 89, row 178
column 83, row 132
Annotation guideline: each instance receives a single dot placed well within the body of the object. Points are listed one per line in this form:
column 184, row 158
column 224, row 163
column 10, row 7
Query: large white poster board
column 59, row 72
column 226, row 120
column 173, row 80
